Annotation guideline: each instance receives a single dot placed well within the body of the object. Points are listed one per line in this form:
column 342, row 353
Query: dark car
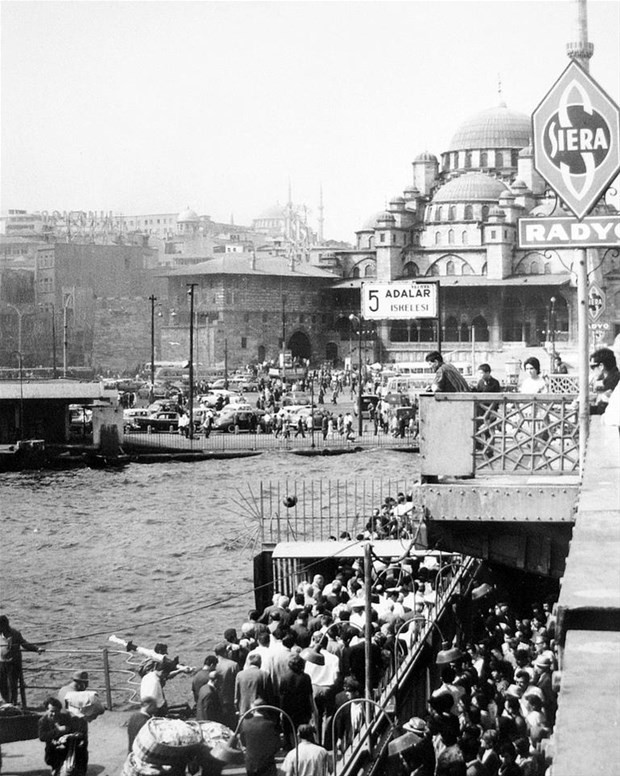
column 369, row 400
column 158, row 421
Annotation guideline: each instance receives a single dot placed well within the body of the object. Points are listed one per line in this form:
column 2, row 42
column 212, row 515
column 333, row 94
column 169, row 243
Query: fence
column 317, row 510
column 245, row 441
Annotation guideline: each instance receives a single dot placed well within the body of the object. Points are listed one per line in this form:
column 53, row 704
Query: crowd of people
column 304, row 655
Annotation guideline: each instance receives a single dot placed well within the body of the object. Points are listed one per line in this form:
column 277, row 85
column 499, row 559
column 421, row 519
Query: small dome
column 507, row 195
column 471, row 187
column 188, row 216
column 495, row 127
column 426, row 156
column 520, row 184
column 370, row 223
column 412, row 191
column 386, row 218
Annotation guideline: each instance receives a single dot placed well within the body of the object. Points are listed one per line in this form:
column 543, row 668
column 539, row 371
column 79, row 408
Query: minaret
column 579, row 48
column 321, row 217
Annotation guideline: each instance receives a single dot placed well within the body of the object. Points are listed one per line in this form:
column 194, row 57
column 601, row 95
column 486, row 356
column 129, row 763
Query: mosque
column 457, row 224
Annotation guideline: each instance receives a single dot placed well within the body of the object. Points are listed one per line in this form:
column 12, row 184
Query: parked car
column 130, row 415
column 158, row 421
column 369, row 400
column 234, row 416
column 80, row 419
column 295, row 398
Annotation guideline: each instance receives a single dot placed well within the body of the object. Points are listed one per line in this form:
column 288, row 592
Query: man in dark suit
column 148, row 707
column 346, row 723
column 226, row 671
column 252, row 683
column 209, row 704
column 260, row 737
column 202, row 677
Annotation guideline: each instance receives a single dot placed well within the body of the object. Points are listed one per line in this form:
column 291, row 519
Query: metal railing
column 455, row 578
column 138, row 442
column 317, row 510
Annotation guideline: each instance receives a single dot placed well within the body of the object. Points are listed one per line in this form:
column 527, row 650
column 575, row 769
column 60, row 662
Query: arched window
column 450, row 268
column 464, row 332
column 451, row 213
column 467, row 160
column 433, row 270
column 369, row 271
column 513, row 320
column 534, row 268
column 355, row 272
column 547, row 270
column 451, row 329
column 514, row 158
column 439, row 214
column 469, row 213
column 481, row 329
column 451, row 237
column 437, row 238
column 370, row 239
column 464, row 238
column 466, row 269
column 399, row 331
column 485, row 212
column 483, row 271
column 411, row 269
column 484, row 159
column 427, row 331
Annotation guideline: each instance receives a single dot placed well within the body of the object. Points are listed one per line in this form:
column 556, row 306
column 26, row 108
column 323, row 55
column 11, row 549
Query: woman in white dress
column 533, row 382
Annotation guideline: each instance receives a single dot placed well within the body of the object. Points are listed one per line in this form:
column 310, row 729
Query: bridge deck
column 586, row 734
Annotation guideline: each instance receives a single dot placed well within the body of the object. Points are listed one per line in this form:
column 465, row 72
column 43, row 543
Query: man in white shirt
column 324, row 678
column 308, row 759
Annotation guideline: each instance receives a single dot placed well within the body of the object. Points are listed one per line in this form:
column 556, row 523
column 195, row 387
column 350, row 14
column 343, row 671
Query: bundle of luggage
column 166, row 747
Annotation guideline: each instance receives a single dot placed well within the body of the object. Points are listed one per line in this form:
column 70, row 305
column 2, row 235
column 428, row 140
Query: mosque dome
column 370, row 223
column 275, row 211
column 425, row 156
column 188, row 216
column 471, row 187
column 385, row 218
column 519, row 184
column 496, row 127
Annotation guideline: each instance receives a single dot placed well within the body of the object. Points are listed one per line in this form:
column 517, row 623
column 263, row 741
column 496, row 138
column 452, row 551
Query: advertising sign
column 596, row 302
column 564, row 231
column 403, row 299
column 576, row 131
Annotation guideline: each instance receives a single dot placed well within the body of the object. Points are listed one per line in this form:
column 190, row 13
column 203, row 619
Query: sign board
column 596, row 302
column 567, row 232
column 576, row 135
column 400, row 300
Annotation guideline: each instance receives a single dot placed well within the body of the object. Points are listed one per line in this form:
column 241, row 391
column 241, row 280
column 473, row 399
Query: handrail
column 346, row 704
column 284, row 714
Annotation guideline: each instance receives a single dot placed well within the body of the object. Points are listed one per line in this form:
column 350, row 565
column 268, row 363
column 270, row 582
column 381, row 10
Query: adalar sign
column 402, row 300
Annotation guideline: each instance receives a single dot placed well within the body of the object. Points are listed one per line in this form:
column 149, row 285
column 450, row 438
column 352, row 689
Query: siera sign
column 576, row 131
column 400, row 300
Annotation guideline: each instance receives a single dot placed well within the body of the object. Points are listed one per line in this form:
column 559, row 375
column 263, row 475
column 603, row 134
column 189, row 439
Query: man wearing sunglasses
column 606, row 376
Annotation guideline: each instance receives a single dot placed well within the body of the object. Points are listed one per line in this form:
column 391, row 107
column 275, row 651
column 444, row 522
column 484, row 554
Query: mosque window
column 427, row 331
column 467, row 160
column 450, row 268
column 480, row 328
column 399, row 332
column 437, row 238
column 484, row 159
column 369, row 271
column 469, row 213
column 485, row 212
column 483, row 271
column 534, row 268
column 433, row 270
column 355, row 272
column 451, row 236
column 411, row 269
column 464, row 238
column 514, row 158
column 547, row 270
column 465, row 333
column 466, row 269
column 438, row 214
column 381, row 236
column 451, row 329
column 451, row 213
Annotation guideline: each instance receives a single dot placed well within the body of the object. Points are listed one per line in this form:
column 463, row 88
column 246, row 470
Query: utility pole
column 152, row 300
column 190, row 293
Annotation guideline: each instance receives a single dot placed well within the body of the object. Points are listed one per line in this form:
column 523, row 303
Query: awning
column 470, row 281
column 386, row 548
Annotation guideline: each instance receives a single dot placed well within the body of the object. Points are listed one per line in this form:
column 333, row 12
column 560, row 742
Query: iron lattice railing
column 526, row 434
column 564, row 384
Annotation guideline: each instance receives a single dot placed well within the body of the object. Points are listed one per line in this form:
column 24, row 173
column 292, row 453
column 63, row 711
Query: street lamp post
column 358, row 319
column 65, row 327
column 552, row 333
column 152, row 300
column 190, row 293
column 18, row 353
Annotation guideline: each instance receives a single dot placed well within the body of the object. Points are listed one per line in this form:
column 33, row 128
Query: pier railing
column 498, row 433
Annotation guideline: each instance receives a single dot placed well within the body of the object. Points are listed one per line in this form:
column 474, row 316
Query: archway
column 331, row 352
column 300, row 346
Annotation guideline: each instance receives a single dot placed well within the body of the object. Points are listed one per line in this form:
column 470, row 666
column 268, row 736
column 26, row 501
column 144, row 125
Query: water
column 157, row 552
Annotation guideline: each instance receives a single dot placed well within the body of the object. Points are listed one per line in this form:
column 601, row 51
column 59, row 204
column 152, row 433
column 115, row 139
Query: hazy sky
column 147, row 107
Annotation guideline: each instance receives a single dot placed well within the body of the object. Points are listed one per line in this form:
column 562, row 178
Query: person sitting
column 447, row 379
column 487, row 383
column 533, row 382
column 64, row 735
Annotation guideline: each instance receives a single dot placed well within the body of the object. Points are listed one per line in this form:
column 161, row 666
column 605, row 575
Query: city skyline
column 143, row 107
